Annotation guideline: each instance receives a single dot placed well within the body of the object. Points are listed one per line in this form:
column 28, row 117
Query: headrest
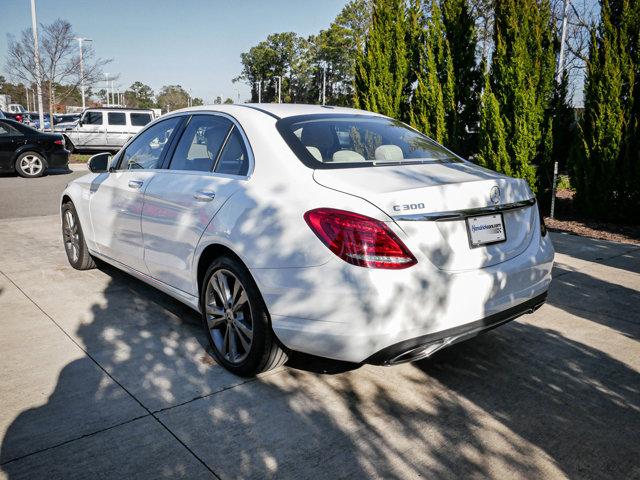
column 315, row 152
column 347, row 156
column 389, row 153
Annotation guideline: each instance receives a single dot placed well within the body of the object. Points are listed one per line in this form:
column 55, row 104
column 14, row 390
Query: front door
column 117, row 197
column 8, row 144
column 209, row 164
column 91, row 131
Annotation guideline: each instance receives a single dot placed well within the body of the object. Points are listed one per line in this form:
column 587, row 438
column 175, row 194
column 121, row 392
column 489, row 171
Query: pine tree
column 522, row 73
column 382, row 69
column 606, row 174
column 460, row 30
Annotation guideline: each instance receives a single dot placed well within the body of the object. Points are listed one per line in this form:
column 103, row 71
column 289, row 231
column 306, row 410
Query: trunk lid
column 411, row 194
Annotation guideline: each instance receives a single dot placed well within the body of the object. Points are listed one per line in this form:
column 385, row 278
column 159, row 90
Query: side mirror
column 80, row 122
column 100, row 163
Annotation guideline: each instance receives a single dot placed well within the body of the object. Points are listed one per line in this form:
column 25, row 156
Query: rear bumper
column 350, row 313
column 426, row 345
column 58, row 158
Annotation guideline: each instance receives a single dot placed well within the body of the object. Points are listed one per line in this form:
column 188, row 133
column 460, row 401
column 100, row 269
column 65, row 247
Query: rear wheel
column 30, row 165
column 74, row 244
column 236, row 320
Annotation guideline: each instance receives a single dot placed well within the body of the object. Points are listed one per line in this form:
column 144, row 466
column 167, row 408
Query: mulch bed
column 568, row 221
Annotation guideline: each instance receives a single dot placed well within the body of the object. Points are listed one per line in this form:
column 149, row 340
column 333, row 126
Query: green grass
column 564, row 183
column 78, row 158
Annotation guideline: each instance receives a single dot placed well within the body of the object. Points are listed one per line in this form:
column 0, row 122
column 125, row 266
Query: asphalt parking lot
column 102, row 376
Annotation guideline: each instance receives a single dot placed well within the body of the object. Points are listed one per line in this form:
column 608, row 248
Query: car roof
column 115, row 108
column 277, row 110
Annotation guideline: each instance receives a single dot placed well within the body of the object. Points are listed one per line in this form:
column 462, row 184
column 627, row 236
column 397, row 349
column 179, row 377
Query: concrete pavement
column 102, row 376
column 29, row 197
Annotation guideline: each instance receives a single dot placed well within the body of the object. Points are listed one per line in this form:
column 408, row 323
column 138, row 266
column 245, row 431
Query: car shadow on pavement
column 521, row 401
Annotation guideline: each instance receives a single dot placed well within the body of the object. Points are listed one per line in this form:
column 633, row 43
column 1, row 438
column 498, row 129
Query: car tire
column 73, row 237
column 68, row 144
column 30, row 165
column 236, row 320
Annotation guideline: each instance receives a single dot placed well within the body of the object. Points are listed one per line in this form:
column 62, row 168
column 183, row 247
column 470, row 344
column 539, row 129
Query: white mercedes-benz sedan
column 331, row 231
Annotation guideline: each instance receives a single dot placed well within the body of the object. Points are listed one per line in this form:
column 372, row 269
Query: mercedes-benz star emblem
column 494, row 195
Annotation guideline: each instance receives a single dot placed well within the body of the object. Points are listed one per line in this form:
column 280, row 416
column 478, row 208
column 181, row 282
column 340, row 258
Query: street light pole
column 259, row 82
column 324, row 82
column 563, row 39
column 36, row 51
column 279, row 78
column 106, row 76
column 80, row 40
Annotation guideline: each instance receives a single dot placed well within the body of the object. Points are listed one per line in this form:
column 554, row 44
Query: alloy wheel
column 31, row 164
column 71, row 236
column 228, row 315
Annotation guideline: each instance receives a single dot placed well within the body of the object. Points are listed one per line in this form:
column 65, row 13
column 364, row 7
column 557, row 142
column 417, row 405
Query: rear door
column 116, row 197
column 210, row 162
column 138, row 120
column 117, row 129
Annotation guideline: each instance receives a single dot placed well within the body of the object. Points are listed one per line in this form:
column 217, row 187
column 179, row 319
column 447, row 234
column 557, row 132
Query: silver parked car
column 104, row 128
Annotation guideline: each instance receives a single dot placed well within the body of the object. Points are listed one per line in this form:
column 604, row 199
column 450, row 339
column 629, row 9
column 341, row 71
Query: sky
column 193, row 43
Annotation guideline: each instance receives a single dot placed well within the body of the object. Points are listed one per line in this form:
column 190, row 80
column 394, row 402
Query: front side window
column 145, row 151
column 140, row 119
column 342, row 141
column 116, row 118
column 200, row 143
column 92, row 118
column 233, row 159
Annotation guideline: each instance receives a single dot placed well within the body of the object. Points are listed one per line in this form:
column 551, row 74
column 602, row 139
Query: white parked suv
column 104, row 128
column 331, row 231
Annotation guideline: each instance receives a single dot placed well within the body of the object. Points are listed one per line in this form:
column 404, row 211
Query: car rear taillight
column 359, row 240
column 58, row 142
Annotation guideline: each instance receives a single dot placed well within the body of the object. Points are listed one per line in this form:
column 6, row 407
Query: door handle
column 204, row 195
column 135, row 184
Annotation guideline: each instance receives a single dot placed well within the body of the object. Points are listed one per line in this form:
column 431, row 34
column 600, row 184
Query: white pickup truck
column 104, row 129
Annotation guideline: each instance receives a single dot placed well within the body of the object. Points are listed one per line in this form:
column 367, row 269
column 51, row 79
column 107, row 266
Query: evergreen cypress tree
column 432, row 108
column 492, row 141
column 427, row 112
column 560, row 133
column 602, row 127
column 382, row 69
column 459, row 24
column 522, row 76
column 606, row 173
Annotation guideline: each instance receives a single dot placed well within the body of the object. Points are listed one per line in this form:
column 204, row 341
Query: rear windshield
column 344, row 141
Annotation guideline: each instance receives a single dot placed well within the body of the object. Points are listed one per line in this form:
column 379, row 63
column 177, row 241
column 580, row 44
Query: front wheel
column 74, row 244
column 236, row 320
column 30, row 165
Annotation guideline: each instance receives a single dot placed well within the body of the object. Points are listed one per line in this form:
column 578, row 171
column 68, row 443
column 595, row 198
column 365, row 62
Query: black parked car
column 29, row 152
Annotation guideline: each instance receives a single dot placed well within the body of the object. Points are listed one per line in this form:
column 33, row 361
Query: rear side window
column 6, row 129
column 116, row 118
column 234, row 159
column 140, row 119
column 200, row 143
column 345, row 141
column 145, row 151
column 92, row 118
